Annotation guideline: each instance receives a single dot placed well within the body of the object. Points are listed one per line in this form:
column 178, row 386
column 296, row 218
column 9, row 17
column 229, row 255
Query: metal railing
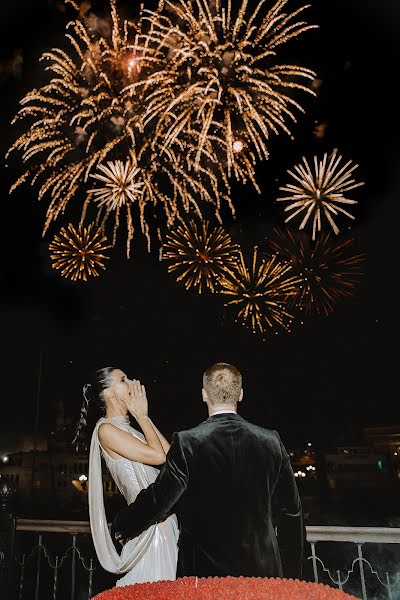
column 360, row 571
column 359, row 578
column 55, row 561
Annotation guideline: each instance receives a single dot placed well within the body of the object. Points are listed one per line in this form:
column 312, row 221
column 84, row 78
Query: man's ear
column 241, row 395
column 204, row 394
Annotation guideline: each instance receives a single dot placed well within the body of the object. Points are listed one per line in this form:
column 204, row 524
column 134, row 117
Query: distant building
column 354, row 467
column 55, row 477
column 384, row 439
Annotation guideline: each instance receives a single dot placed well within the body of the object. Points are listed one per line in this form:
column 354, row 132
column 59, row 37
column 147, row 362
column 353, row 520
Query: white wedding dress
column 152, row 556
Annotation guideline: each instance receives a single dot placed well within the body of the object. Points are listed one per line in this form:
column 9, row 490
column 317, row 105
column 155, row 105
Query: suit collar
column 227, row 416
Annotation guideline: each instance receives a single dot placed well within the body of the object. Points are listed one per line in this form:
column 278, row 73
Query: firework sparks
column 320, row 194
column 330, row 270
column 199, row 255
column 222, row 67
column 260, row 293
column 79, row 253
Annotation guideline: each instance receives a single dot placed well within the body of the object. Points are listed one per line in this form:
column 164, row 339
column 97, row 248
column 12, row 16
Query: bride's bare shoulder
column 108, row 430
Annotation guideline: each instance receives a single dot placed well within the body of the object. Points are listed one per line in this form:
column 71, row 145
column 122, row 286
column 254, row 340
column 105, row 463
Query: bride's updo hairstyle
column 93, row 399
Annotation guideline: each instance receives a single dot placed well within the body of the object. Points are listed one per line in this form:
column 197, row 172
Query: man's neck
column 221, row 408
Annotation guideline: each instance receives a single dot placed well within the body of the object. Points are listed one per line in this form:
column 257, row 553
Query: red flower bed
column 225, row 588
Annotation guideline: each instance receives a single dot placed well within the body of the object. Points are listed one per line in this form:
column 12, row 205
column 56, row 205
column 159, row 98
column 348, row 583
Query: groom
column 226, row 474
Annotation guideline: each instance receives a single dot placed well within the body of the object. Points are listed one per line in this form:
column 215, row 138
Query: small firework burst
column 320, row 194
column 260, row 293
column 330, row 269
column 79, row 253
column 121, row 186
column 199, row 255
column 222, row 66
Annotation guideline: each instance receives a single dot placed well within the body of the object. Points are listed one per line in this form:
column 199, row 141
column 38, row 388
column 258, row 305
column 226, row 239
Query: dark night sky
column 321, row 382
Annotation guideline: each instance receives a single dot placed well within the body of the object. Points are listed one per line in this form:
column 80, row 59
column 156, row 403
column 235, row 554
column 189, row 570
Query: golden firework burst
column 199, row 255
column 330, row 269
column 123, row 186
column 120, row 185
column 79, row 253
column 222, row 66
column 320, row 194
column 259, row 293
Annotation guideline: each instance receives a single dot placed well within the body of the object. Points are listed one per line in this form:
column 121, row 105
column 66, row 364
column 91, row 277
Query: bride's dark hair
column 93, row 397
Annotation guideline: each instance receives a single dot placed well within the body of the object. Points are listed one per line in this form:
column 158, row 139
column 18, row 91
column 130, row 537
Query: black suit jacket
column 223, row 478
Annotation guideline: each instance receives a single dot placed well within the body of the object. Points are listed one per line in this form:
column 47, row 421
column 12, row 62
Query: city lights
column 300, row 474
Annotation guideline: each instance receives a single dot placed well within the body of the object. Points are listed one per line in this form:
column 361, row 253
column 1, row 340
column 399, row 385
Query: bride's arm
column 127, row 446
column 164, row 443
column 157, row 500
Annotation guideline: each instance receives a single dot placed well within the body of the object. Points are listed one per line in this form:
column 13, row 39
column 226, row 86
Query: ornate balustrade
column 41, row 559
column 65, row 560
column 372, row 555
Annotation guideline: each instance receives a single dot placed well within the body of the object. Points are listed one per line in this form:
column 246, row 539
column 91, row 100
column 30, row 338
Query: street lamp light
column 83, row 479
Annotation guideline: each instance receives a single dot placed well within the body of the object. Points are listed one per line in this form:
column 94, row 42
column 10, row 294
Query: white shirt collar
column 224, row 412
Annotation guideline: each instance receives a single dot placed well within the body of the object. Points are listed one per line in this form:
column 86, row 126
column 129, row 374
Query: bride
column 129, row 456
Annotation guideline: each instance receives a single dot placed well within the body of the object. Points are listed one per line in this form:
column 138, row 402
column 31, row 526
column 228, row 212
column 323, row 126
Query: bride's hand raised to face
column 137, row 403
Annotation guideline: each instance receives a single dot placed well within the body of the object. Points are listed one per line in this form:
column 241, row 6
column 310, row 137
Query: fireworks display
column 330, row 269
column 320, row 194
column 259, row 293
column 199, row 255
column 79, row 253
column 92, row 115
column 223, row 75
column 160, row 111
column 146, row 121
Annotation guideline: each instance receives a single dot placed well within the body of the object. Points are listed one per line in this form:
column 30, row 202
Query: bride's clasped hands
column 137, row 403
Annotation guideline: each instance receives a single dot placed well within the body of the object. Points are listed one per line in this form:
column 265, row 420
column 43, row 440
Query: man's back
column 225, row 513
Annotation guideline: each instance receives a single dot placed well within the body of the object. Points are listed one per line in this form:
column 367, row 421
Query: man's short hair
column 222, row 383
